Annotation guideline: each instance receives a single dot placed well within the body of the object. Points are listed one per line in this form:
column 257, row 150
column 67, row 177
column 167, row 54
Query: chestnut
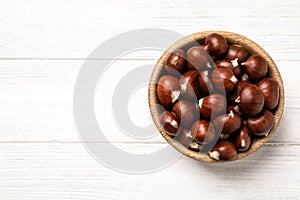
column 261, row 124
column 169, row 122
column 197, row 58
column 224, row 151
column 227, row 123
column 239, row 86
column 175, row 63
column 237, row 52
column 185, row 138
column 205, row 82
column 186, row 112
column 270, row 90
column 235, row 68
column 242, row 140
column 223, row 78
column 256, row 67
column 189, row 85
column 167, row 90
column 215, row 44
column 203, row 132
column 212, row 105
column 251, row 100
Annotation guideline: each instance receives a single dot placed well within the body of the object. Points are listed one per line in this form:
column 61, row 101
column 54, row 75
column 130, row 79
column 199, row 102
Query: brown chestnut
column 261, row 124
column 251, row 100
column 189, row 85
column 270, row 90
column 235, row 68
column 224, row 151
column 227, row 123
column 185, row 138
column 186, row 112
column 212, row 105
column 215, row 44
column 169, row 122
column 242, row 140
column 198, row 58
column 223, row 78
column 256, row 67
column 239, row 86
column 205, row 82
column 167, row 90
column 175, row 63
column 203, row 132
column 237, row 52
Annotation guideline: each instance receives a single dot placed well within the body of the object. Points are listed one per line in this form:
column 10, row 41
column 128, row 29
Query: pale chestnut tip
column 214, row 154
column 175, row 95
column 189, row 135
column 245, row 77
column 235, row 62
column 231, row 114
column 200, row 102
column 233, row 79
column 224, row 136
column 236, row 108
column 174, row 123
column 174, row 61
column 243, row 143
column 205, row 73
column 195, row 146
column 238, row 99
column 208, row 65
column 184, row 85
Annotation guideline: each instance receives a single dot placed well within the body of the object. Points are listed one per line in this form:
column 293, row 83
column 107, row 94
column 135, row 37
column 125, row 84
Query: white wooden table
column 42, row 47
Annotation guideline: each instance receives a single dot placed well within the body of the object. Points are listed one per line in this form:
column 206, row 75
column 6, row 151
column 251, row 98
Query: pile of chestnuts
column 217, row 93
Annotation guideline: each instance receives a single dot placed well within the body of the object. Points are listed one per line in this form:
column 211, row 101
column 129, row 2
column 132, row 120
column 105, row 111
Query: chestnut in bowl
column 255, row 67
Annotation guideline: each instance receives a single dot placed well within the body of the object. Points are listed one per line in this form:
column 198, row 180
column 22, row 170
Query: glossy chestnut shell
column 189, row 85
column 186, row 112
column 203, row 132
column 169, row 122
column 176, row 63
column 238, row 52
column 223, row 78
column 197, row 58
column 251, row 100
column 261, row 124
column 215, row 44
column 256, row 67
column 227, row 123
column 242, row 140
column 212, row 105
column 168, row 90
column 205, row 82
column 270, row 90
column 224, row 151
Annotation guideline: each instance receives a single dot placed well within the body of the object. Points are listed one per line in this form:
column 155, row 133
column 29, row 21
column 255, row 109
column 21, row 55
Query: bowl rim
column 232, row 38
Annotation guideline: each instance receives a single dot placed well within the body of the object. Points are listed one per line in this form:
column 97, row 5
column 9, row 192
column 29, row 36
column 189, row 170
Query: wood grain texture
column 50, row 171
column 44, row 43
column 30, row 29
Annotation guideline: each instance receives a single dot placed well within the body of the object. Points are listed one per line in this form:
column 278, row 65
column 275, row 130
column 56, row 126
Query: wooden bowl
column 185, row 43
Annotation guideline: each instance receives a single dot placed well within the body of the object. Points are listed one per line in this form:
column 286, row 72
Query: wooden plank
column 30, row 29
column 53, row 171
column 36, row 101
